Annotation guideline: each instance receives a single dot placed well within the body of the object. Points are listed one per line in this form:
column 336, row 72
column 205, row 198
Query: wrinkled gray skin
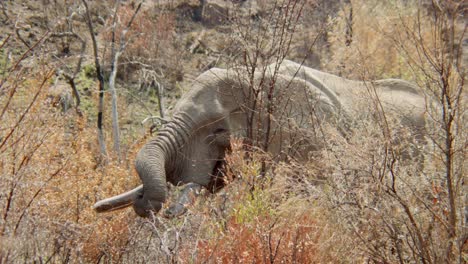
column 190, row 148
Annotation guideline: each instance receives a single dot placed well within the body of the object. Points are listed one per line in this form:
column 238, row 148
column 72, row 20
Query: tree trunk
column 115, row 113
column 114, row 64
column 159, row 91
column 115, row 54
column 100, row 117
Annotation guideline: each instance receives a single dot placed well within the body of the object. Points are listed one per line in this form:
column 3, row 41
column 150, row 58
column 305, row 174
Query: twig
column 25, row 209
column 17, row 31
column 46, row 78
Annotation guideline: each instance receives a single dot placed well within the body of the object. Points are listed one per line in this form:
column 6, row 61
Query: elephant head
column 191, row 147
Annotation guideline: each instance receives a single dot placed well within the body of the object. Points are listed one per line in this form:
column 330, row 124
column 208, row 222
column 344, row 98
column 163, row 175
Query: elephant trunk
column 155, row 159
column 150, row 166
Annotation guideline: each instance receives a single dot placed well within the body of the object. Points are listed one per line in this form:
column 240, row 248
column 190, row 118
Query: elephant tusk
column 119, row 201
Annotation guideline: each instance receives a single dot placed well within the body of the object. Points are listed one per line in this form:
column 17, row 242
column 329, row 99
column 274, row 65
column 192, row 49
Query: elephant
column 279, row 109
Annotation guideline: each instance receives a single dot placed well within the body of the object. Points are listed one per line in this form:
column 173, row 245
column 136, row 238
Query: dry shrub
column 51, row 177
column 274, row 218
column 148, row 33
column 372, row 25
column 263, row 242
column 151, row 43
column 393, row 197
column 361, row 200
column 401, row 209
column 371, row 187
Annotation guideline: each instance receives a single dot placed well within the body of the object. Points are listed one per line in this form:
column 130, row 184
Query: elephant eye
column 219, row 131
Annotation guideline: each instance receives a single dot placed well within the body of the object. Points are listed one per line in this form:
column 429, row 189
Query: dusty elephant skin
column 291, row 104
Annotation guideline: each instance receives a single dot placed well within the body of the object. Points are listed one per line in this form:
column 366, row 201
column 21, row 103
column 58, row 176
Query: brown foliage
column 50, row 175
column 264, row 241
column 360, row 200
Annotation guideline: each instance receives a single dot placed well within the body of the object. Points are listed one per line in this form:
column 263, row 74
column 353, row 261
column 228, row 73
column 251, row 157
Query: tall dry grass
column 360, row 200
column 50, row 176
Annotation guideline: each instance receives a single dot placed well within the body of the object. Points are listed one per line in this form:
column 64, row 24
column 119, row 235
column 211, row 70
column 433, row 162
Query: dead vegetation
column 360, row 200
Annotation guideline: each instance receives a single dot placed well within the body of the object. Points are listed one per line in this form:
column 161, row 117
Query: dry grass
column 272, row 218
column 50, row 176
column 360, row 200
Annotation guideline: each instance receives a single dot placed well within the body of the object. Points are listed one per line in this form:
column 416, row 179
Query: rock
column 59, row 96
column 215, row 12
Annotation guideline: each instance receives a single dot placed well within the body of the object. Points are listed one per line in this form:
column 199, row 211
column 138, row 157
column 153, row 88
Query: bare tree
column 115, row 54
column 439, row 66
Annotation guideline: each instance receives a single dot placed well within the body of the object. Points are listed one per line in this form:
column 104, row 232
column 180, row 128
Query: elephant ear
column 228, row 87
column 216, row 96
column 234, row 105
